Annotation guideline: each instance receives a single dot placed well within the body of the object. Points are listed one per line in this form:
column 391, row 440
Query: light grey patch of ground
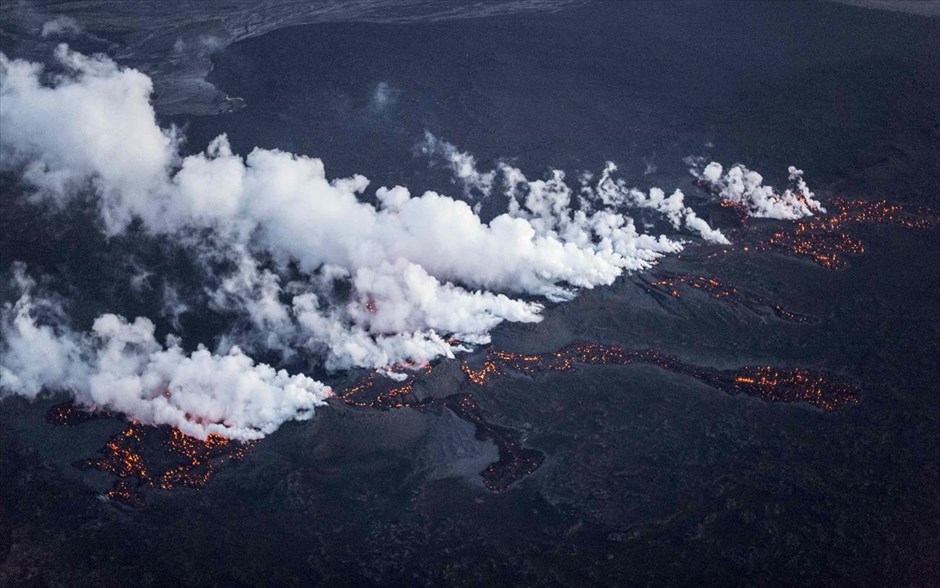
column 453, row 451
column 918, row 7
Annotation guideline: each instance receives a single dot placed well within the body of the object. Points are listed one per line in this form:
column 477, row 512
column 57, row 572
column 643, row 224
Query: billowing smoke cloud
column 95, row 126
column 409, row 279
column 746, row 188
column 120, row 366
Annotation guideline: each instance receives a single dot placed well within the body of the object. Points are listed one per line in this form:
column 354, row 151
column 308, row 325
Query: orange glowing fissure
column 823, row 240
column 765, row 382
column 147, row 457
column 151, row 457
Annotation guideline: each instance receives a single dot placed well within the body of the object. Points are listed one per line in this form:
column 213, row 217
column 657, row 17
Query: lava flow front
column 144, row 456
column 161, row 457
column 515, row 461
column 823, row 240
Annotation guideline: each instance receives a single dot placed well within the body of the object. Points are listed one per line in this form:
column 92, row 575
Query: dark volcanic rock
column 602, row 475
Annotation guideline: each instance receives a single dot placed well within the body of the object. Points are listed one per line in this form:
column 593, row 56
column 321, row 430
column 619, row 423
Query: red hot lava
column 767, row 383
column 144, row 457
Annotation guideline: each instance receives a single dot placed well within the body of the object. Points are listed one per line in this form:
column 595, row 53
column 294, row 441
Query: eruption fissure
column 788, row 385
column 824, row 240
column 139, row 455
column 423, row 277
column 674, row 283
column 272, row 236
column 146, row 457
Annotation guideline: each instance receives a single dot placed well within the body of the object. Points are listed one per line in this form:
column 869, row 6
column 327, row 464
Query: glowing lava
column 143, row 456
column 517, row 461
column 377, row 390
column 768, row 383
column 68, row 414
column 823, row 240
column 161, row 457
column 674, row 283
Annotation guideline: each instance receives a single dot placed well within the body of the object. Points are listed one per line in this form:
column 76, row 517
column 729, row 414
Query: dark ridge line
column 662, row 282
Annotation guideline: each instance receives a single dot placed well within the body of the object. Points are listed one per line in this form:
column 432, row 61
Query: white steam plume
column 746, row 188
column 420, row 271
column 546, row 204
column 60, row 25
column 462, row 164
column 120, row 366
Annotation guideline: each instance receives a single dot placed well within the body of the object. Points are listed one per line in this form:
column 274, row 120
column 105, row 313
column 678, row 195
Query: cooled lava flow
column 673, row 284
column 515, row 461
column 823, row 240
column 143, row 456
column 768, row 383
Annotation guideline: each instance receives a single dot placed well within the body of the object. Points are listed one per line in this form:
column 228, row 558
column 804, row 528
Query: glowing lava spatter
column 379, row 391
column 68, row 414
column 822, row 239
column 161, row 457
column 790, row 385
column 823, row 248
column 144, row 457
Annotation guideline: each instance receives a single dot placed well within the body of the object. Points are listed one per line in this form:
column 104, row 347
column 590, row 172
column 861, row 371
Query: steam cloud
column 120, row 366
column 424, row 275
column 60, row 26
column 745, row 187
column 547, row 203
